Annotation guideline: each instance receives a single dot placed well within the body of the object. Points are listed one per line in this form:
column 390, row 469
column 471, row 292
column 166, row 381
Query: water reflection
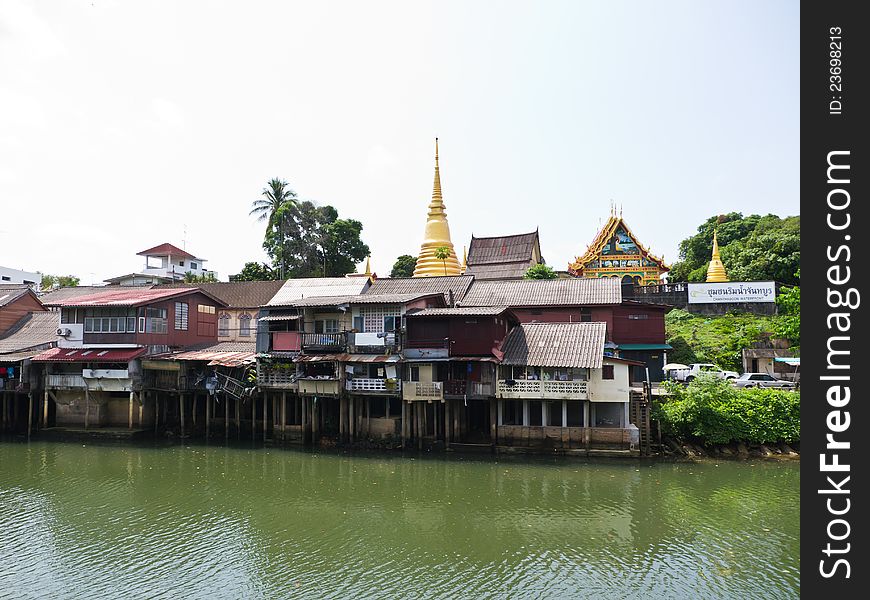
column 198, row 521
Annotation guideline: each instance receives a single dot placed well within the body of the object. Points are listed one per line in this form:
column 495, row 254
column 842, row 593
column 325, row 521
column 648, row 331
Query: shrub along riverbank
column 711, row 412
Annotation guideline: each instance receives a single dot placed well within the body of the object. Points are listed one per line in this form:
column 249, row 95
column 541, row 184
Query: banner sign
column 735, row 291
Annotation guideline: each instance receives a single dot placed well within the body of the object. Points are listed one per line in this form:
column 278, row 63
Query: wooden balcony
column 285, row 341
column 424, row 348
column 65, row 381
column 545, row 390
column 318, row 387
column 324, row 342
column 419, row 390
column 366, row 385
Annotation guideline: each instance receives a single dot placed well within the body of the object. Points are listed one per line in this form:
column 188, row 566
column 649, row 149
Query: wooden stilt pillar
column 87, row 407
column 207, row 415
column 420, row 409
column 492, row 422
column 265, row 415
column 29, row 414
column 341, row 411
column 238, row 404
column 315, row 417
column 141, row 398
column 447, row 423
column 181, row 412
column 437, row 407
column 404, row 422
column 226, row 418
column 254, row 418
column 283, row 415
column 193, row 410
column 130, row 412
column 45, row 409
column 156, row 412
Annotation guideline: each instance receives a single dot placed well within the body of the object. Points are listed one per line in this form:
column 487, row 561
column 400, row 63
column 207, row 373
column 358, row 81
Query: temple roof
column 603, row 237
column 502, row 257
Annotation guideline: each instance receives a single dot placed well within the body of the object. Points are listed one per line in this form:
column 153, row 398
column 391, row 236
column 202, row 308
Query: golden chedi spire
column 464, row 261
column 437, row 235
column 716, row 271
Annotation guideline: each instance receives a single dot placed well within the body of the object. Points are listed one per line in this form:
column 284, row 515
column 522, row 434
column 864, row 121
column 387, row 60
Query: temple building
column 437, row 235
column 503, row 257
column 616, row 252
column 716, row 270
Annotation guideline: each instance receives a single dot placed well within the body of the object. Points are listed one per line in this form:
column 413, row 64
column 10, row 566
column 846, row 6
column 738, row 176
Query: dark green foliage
column 789, row 324
column 712, row 411
column 753, row 248
column 190, row 277
column 540, row 272
column 404, row 266
column 254, row 271
column 55, row 281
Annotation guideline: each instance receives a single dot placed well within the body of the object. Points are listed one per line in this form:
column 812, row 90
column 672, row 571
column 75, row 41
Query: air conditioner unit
column 63, row 331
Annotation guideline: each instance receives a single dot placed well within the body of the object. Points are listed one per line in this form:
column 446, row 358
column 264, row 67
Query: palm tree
column 274, row 207
column 442, row 253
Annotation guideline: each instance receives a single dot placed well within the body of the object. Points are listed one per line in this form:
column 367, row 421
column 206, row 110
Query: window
column 204, row 308
column 414, row 374
column 103, row 320
column 641, row 317
column 607, row 372
column 224, row 325
column 5, row 278
column 326, row 326
column 181, row 263
column 358, row 323
column 392, row 323
column 155, row 320
column 585, row 315
column 608, row 414
column 379, row 319
column 192, row 265
column 181, row 316
column 245, row 324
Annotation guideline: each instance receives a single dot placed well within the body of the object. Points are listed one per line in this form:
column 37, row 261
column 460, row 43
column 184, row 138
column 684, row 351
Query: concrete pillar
column 525, row 413
column 564, row 413
column 130, row 412
column 544, row 422
column 500, row 412
column 587, row 414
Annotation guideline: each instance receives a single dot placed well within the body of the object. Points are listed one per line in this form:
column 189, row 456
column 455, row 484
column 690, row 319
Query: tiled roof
column 458, row 284
column 166, row 249
column 133, row 296
column 514, row 270
column 555, row 345
column 11, row 293
column 544, row 292
column 34, row 330
column 224, row 347
column 236, row 294
column 502, row 249
column 59, row 296
column 296, row 289
column 363, row 299
column 467, row 311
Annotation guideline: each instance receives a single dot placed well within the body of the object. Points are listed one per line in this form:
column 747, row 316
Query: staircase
column 638, row 414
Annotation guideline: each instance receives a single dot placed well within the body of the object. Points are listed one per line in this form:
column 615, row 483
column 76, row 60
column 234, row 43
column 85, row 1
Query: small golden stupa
column 437, row 235
column 716, row 271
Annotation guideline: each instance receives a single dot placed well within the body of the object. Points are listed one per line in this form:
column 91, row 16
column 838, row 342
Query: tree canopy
column 540, row 271
column 58, row 281
column 254, row 271
column 191, row 277
column 404, row 266
column 753, row 248
column 304, row 239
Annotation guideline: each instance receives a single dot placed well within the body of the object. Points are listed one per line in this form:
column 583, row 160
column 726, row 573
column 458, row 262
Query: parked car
column 751, row 380
column 696, row 369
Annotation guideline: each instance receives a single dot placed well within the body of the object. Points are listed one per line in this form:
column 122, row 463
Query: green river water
column 188, row 521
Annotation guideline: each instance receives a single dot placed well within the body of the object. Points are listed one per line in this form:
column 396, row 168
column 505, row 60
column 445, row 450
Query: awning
column 89, row 355
column 13, row 357
column 490, row 359
column 214, row 359
column 279, row 318
column 645, row 347
column 352, row 358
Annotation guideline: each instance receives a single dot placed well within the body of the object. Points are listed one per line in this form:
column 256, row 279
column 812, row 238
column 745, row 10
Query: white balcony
column 419, row 390
column 64, row 381
column 373, row 385
column 546, row 390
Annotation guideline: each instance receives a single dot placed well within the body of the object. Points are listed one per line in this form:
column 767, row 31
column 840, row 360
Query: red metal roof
column 164, row 250
column 89, row 355
column 131, row 297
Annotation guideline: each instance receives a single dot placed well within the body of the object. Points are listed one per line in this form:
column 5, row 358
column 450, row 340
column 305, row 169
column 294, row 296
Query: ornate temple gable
column 616, row 252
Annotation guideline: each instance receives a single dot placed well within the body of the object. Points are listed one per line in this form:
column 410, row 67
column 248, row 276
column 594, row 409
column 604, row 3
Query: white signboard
column 735, row 291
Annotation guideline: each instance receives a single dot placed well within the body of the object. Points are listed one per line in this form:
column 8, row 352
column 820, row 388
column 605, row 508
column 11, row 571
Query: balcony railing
column 328, row 387
column 334, row 342
column 426, row 348
column 373, row 385
column 462, row 387
column 64, row 380
column 418, row 390
column 277, row 378
column 373, row 343
column 550, row 390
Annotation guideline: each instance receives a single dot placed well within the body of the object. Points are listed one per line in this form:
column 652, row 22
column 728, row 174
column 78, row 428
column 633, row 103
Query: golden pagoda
column 716, row 271
column 437, row 235
column 464, row 261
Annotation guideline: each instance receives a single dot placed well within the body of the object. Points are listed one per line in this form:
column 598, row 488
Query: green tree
column 540, row 271
column 788, row 326
column 275, row 207
column 442, row 253
column 404, row 266
column 190, row 277
column 753, row 248
column 342, row 247
column 58, row 281
column 254, row 271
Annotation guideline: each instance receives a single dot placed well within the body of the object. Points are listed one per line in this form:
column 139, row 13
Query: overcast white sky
column 123, row 122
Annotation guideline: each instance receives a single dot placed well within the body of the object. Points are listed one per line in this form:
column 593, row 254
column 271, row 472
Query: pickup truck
column 696, row 369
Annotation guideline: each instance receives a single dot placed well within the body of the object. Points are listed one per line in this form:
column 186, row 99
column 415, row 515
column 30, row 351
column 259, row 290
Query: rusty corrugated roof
column 548, row 292
column 135, row 296
column 95, row 355
column 36, row 329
